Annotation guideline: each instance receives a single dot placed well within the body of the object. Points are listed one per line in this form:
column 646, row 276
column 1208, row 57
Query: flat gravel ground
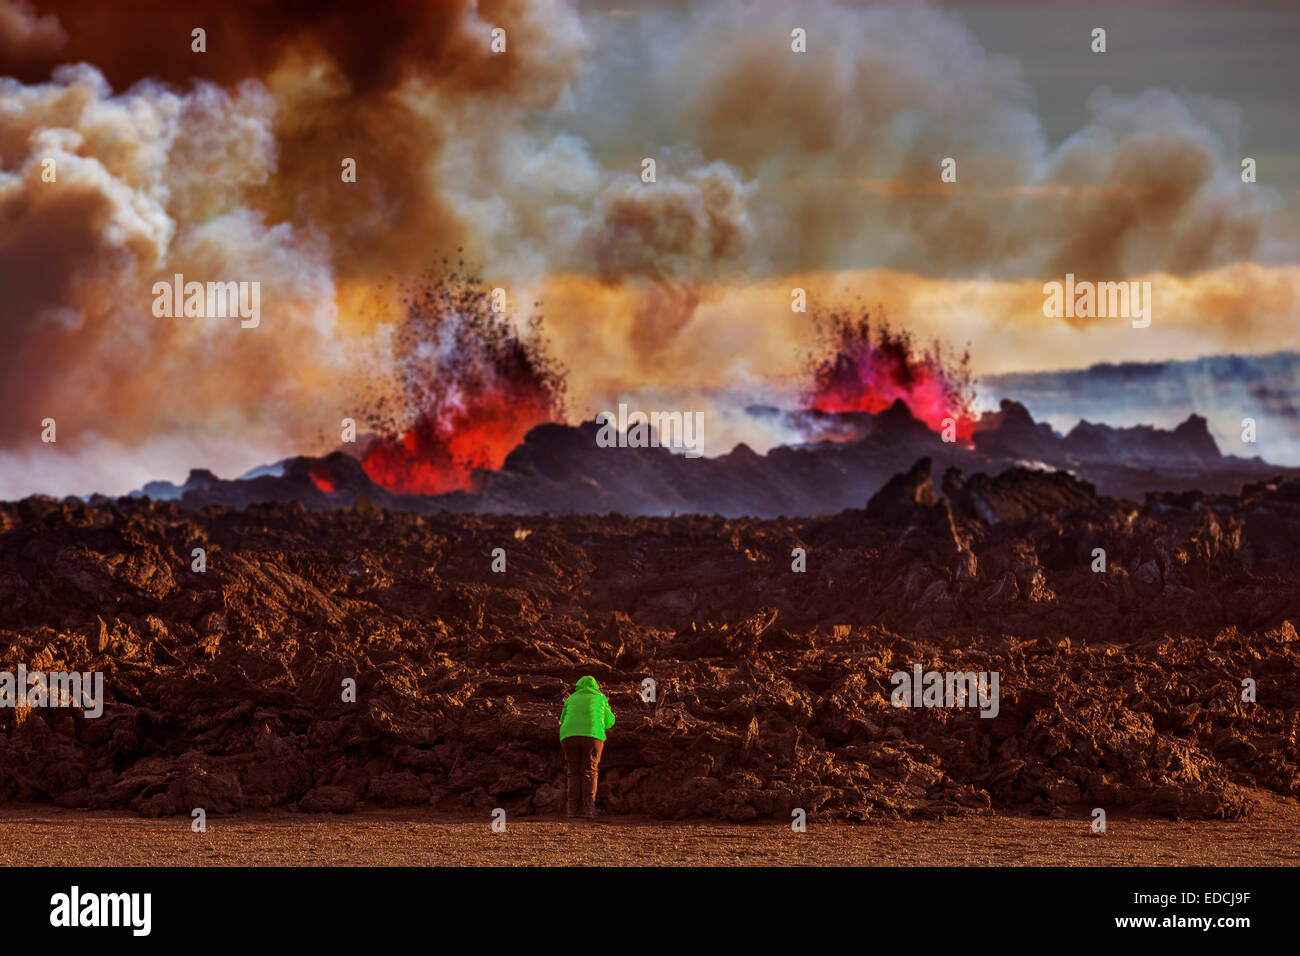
column 48, row 837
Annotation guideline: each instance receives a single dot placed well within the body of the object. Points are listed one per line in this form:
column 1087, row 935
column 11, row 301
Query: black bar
column 731, row 905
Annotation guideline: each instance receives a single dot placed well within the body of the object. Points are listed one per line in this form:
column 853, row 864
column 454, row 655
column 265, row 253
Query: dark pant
column 582, row 756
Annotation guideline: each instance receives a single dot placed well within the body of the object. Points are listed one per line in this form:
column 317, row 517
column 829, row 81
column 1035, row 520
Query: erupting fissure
column 869, row 369
column 471, row 387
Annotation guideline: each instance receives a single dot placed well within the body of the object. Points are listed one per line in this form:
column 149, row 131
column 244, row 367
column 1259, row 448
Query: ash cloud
column 222, row 166
column 845, row 142
column 28, row 40
column 225, row 165
column 125, row 209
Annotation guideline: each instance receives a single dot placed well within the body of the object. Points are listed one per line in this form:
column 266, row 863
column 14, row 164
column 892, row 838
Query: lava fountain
column 471, row 387
column 866, row 369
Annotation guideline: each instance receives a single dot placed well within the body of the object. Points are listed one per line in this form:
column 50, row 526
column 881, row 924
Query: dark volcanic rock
column 225, row 688
column 559, row 469
column 1189, row 444
column 1011, row 434
column 1017, row 494
column 903, row 493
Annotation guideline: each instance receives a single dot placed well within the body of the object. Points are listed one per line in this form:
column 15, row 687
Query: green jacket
column 586, row 713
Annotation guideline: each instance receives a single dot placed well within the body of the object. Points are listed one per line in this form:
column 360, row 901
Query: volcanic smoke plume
column 469, row 388
column 227, row 165
column 869, row 369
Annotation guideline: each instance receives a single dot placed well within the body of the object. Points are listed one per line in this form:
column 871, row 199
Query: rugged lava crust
column 224, row 687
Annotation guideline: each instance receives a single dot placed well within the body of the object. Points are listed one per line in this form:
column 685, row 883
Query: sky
column 775, row 170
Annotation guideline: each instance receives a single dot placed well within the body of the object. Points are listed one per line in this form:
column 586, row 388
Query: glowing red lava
column 440, row 453
column 472, row 389
column 321, row 478
column 870, row 369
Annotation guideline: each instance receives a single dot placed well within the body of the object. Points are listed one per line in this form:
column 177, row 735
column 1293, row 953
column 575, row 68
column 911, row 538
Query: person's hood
column 588, row 684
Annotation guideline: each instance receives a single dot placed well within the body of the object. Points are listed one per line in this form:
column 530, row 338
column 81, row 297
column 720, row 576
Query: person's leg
column 590, row 776
column 574, row 765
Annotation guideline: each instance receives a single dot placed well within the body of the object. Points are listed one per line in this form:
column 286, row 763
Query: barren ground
column 54, row 837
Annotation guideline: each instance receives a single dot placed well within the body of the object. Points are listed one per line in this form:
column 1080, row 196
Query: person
column 583, row 721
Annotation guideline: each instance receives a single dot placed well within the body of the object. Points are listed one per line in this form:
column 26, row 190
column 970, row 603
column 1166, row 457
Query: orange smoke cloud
column 226, row 165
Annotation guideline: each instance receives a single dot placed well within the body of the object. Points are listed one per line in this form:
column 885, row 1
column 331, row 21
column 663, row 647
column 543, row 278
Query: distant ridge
column 559, row 469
